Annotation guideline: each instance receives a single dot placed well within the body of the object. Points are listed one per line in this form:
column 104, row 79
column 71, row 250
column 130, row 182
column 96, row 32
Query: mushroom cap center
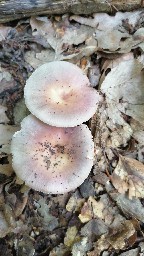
column 60, row 96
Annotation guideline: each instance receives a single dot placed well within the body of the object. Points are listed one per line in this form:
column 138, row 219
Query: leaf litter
column 105, row 215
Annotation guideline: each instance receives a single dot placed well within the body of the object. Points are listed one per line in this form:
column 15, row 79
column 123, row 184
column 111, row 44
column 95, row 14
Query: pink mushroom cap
column 59, row 94
column 52, row 159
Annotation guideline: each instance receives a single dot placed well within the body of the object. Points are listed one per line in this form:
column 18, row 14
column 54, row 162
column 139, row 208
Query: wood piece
column 17, row 9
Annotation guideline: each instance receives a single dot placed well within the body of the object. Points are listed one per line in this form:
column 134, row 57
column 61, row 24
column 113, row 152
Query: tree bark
column 17, row 9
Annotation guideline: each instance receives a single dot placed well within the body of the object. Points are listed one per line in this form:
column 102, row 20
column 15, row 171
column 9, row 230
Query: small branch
column 17, row 9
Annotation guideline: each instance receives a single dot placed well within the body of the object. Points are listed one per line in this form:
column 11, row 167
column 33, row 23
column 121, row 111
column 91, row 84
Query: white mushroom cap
column 59, row 94
column 52, row 159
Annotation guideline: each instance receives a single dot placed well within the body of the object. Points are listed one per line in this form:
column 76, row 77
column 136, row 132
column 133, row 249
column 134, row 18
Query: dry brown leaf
column 128, row 177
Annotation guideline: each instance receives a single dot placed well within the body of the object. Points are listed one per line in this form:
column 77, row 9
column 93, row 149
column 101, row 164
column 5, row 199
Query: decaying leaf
column 111, row 22
column 102, row 209
column 8, row 219
column 65, row 40
column 20, row 111
column 124, row 90
column 86, row 213
column 94, row 229
column 50, row 222
column 60, row 35
column 6, row 133
column 4, row 30
column 37, row 59
column 80, row 248
column 128, row 177
column 133, row 252
column 87, row 188
column 118, row 237
column 116, row 29
column 141, row 245
column 94, row 75
column 61, row 200
column 101, row 245
column 3, row 117
column 74, row 203
column 122, row 236
column 114, row 41
column 91, row 209
column 41, row 26
column 141, row 153
column 6, row 80
column 25, row 246
column 111, row 63
column 71, row 236
column 120, row 135
column 4, row 226
column 131, row 208
column 6, row 168
column 138, row 131
column 60, row 250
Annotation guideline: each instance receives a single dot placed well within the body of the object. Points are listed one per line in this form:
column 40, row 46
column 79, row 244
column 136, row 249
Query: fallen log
column 17, row 9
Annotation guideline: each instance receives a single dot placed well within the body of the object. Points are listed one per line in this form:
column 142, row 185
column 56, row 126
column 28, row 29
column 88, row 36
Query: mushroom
column 52, row 159
column 59, row 94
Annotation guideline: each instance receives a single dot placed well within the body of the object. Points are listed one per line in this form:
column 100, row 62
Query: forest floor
column 105, row 215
